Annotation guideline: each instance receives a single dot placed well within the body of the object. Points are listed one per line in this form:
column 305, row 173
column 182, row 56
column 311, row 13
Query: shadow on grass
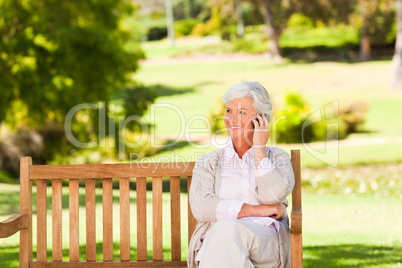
column 163, row 90
column 352, row 255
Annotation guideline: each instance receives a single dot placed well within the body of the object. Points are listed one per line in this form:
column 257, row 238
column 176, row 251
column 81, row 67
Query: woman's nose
column 233, row 119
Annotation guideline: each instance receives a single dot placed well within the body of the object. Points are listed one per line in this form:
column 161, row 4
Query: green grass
column 338, row 230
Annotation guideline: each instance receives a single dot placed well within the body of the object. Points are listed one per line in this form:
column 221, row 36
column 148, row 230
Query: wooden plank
column 157, row 218
column 297, row 252
column 107, row 220
column 90, row 220
column 175, row 218
column 13, row 224
column 141, row 185
column 296, row 214
column 192, row 222
column 124, row 219
column 56, row 221
column 26, row 208
column 94, row 171
column 41, row 211
column 165, row 264
column 74, row 220
column 296, row 194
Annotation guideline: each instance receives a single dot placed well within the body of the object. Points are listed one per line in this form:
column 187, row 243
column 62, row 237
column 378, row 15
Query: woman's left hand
column 261, row 131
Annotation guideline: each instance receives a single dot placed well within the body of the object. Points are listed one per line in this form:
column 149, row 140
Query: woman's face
column 239, row 113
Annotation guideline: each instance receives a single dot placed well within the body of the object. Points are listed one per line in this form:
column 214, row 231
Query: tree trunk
column 365, row 38
column 169, row 21
column 396, row 73
column 365, row 45
column 240, row 22
column 274, row 33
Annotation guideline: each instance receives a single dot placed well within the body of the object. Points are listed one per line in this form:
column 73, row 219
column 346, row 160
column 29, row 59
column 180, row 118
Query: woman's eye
column 227, row 110
column 242, row 112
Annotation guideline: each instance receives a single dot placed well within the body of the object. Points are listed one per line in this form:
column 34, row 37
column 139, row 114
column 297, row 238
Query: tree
column 376, row 18
column 55, row 55
column 170, row 21
column 396, row 73
column 277, row 13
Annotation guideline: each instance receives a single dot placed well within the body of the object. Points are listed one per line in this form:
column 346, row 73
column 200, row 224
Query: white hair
column 254, row 90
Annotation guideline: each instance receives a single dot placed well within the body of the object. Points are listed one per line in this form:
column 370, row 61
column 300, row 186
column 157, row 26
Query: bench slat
column 175, row 218
column 94, row 171
column 124, row 219
column 74, row 220
column 141, row 185
column 56, row 221
column 109, row 264
column 90, row 219
column 157, row 218
column 41, row 210
column 192, row 222
column 107, row 220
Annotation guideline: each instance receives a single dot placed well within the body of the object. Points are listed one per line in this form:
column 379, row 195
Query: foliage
column 157, row 33
column 330, row 37
column 375, row 17
column 56, row 55
column 212, row 26
column 251, row 14
column 50, row 59
column 289, row 120
column 185, row 27
column 353, row 114
column 216, row 118
column 296, row 122
column 187, row 9
column 300, row 20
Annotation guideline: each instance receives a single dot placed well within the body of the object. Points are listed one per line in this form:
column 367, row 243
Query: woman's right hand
column 276, row 211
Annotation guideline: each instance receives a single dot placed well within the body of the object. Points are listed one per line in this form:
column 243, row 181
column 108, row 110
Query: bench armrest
column 13, row 224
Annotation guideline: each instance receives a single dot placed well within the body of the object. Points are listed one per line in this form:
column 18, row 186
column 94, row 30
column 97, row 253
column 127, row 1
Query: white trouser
column 234, row 243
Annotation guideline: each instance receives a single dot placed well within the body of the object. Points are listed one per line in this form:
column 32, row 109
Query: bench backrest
column 124, row 173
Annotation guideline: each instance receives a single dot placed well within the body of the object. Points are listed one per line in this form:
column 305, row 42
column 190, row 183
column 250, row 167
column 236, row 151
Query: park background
column 169, row 63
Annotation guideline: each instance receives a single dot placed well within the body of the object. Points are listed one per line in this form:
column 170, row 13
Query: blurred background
column 105, row 81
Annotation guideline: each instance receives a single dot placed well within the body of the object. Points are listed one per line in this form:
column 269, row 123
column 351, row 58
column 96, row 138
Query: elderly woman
column 238, row 193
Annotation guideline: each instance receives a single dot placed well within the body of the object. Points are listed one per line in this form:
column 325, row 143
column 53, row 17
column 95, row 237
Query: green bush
column 216, row 119
column 298, row 19
column 353, row 114
column 184, row 27
column 289, row 120
column 157, row 33
column 330, row 37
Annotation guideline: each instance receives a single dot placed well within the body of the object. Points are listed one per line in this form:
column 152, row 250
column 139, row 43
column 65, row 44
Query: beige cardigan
column 273, row 188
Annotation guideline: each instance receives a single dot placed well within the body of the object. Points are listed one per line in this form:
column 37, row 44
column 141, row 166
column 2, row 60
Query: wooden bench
column 106, row 172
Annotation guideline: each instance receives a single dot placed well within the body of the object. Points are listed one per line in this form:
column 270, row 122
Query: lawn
column 338, row 230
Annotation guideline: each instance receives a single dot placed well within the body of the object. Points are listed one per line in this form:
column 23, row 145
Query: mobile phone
column 257, row 120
